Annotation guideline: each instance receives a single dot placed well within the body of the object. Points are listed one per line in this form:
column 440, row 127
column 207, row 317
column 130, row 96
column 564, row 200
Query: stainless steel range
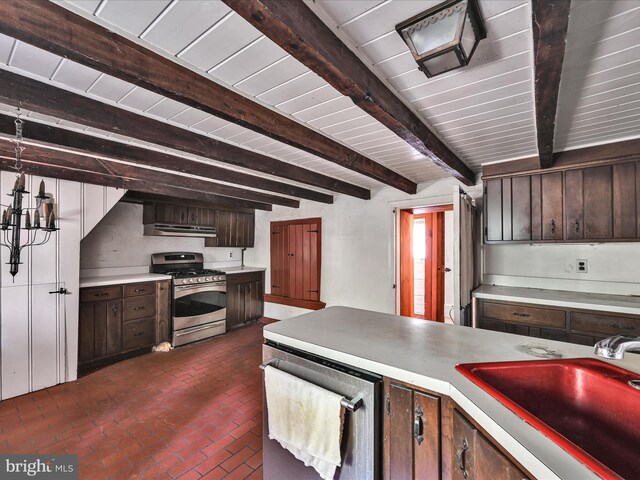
column 199, row 306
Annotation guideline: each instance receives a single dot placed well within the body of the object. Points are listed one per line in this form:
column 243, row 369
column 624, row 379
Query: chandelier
column 37, row 226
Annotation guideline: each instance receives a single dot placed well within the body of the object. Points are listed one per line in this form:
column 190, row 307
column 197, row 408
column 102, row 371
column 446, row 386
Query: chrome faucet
column 614, row 347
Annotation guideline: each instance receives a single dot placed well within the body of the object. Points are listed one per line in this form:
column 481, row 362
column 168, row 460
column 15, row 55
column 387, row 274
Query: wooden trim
column 406, row 264
column 295, row 28
column 294, row 302
column 299, row 221
column 82, row 143
column 611, row 153
column 37, row 96
column 431, row 209
column 55, row 29
column 549, row 22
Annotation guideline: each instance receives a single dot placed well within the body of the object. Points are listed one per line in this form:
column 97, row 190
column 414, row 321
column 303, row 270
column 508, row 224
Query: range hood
column 170, row 230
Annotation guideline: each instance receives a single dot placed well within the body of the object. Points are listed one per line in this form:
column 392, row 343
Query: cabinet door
column 521, row 208
column 574, row 203
column 398, row 458
column 475, row 457
column 551, row 193
column 625, row 207
column 493, row 210
column 598, row 199
column 100, row 330
column 412, row 434
column 235, row 304
column 194, row 216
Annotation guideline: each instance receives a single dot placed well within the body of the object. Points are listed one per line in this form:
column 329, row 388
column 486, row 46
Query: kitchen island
column 424, row 354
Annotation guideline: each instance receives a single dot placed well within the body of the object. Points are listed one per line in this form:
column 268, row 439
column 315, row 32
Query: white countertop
column 245, row 269
column 424, row 354
column 121, row 279
column 558, row 298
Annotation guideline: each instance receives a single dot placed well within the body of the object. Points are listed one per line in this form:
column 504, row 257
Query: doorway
column 426, row 262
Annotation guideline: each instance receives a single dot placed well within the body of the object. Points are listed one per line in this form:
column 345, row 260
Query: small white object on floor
column 162, row 347
column 305, row 419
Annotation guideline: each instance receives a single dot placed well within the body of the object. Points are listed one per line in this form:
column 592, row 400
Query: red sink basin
column 584, row 405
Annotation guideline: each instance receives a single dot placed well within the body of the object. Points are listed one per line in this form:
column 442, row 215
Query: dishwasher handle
column 352, row 405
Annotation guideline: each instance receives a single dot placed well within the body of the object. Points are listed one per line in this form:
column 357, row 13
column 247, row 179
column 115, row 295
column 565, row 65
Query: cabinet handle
column 101, row 294
column 138, row 308
column 553, row 226
column 139, row 290
column 518, row 314
column 417, row 426
column 137, row 334
column 461, row 460
column 622, row 327
column 577, row 226
column 115, row 310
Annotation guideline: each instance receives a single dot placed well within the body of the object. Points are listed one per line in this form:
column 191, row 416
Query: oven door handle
column 183, row 291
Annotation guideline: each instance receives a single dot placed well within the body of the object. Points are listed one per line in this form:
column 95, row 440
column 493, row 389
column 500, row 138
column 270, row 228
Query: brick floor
column 191, row 413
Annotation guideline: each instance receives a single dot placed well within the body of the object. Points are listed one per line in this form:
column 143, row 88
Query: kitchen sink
column 588, row 407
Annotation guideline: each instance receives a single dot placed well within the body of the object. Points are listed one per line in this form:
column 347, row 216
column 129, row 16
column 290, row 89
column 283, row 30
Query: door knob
column 447, row 269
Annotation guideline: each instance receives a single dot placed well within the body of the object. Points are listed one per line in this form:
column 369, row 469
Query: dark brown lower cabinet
column 411, row 433
column 474, row 456
column 584, row 327
column 245, row 298
column 426, row 436
column 120, row 321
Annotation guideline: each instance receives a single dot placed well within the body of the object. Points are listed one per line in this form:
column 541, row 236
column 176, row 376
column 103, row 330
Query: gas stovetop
column 185, row 268
column 193, row 273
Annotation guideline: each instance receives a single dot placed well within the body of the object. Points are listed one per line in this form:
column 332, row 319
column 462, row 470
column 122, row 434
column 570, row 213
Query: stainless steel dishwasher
column 360, row 438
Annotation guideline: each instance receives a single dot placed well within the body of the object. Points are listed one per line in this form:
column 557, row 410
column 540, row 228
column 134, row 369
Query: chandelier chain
column 18, row 140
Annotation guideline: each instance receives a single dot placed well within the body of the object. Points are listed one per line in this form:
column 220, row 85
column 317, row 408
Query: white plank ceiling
column 483, row 112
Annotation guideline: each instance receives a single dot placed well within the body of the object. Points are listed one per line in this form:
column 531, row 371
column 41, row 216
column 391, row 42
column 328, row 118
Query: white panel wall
column 39, row 330
column 358, row 262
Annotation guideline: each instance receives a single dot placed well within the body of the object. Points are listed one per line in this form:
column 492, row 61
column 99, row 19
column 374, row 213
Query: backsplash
column 117, row 246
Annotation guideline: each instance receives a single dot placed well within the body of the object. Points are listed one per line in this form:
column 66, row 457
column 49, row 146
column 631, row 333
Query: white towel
column 305, row 419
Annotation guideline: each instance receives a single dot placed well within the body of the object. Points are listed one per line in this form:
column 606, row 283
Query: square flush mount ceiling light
column 444, row 37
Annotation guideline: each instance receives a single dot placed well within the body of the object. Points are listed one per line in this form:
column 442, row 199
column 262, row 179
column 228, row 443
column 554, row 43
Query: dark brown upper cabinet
column 524, row 208
column 233, row 229
column 598, row 203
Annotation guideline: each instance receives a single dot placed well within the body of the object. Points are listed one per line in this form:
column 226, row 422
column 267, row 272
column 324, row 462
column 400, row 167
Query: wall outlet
column 230, row 254
column 582, row 266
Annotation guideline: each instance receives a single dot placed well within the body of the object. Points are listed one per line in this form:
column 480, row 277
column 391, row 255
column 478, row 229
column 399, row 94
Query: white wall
column 117, row 246
column 358, row 259
column 612, row 267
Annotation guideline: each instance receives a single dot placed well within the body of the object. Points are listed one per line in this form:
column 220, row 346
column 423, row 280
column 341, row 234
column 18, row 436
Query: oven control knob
column 217, row 278
column 184, row 280
column 200, row 279
column 191, row 280
column 208, row 279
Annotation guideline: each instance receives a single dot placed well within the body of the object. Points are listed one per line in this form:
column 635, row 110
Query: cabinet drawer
column 248, row 277
column 138, row 307
column 138, row 289
column 525, row 314
column 596, row 323
column 138, row 333
column 100, row 293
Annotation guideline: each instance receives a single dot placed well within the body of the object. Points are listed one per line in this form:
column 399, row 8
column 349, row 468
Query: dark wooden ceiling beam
column 58, row 30
column 550, row 20
column 55, row 136
column 295, row 28
column 20, row 91
column 69, row 166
